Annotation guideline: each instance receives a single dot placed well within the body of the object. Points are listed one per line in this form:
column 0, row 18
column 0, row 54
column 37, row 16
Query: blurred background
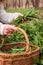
column 23, row 3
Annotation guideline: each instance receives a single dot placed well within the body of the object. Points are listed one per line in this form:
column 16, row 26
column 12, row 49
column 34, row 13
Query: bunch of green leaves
column 18, row 20
column 31, row 14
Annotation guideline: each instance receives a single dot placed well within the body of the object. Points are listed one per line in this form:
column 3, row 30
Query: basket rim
column 37, row 49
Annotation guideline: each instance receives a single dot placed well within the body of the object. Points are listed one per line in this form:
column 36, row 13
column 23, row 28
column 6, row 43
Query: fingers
column 9, row 29
column 8, row 32
column 12, row 27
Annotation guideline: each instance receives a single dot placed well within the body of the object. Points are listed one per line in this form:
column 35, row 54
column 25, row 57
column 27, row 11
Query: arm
column 12, row 16
column 9, row 17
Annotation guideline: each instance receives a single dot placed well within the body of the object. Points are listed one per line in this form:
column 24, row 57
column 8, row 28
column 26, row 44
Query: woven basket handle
column 26, row 37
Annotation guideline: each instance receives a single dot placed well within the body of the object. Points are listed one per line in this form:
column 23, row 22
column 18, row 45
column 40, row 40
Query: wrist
column 2, row 29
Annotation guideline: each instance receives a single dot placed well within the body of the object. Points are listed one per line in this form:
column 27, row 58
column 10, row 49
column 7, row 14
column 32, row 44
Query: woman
column 5, row 19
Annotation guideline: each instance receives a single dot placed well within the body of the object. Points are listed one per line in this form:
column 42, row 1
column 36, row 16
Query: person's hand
column 20, row 14
column 9, row 29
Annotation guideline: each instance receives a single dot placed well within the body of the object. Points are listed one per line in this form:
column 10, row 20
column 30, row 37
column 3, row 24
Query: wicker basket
column 25, row 58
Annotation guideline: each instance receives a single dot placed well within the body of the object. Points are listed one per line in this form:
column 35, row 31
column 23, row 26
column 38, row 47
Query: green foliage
column 32, row 13
column 33, row 29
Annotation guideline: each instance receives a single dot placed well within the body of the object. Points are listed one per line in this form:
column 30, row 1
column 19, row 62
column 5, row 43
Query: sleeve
column 9, row 17
column 12, row 16
column 1, row 28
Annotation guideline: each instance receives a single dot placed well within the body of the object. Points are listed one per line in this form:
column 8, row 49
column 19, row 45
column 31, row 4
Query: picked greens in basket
column 16, row 50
